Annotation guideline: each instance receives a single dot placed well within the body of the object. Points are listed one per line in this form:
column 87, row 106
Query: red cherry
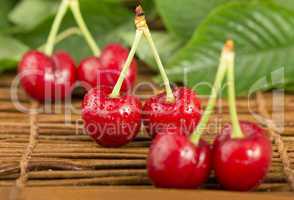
column 111, row 122
column 105, row 70
column 174, row 162
column 241, row 164
column 47, row 78
column 184, row 114
column 89, row 72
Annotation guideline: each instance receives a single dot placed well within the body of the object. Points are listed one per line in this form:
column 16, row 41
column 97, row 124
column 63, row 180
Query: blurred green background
column 188, row 33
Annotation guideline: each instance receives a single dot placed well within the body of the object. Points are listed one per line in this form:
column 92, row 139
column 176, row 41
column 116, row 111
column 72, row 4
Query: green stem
column 221, row 72
column 141, row 24
column 75, row 7
column 55, row 27
column 63, row 35
column 116, row 91
column 237, row 132
column 169, row 92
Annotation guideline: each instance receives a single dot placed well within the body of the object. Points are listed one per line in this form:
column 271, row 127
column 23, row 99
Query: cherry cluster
column 178, row 158
column 240, row 155
column 51, row 77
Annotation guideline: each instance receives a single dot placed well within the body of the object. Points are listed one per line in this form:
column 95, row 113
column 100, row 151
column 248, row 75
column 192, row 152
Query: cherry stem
column 75, row 7
column 142, row 25
column 169, row 93
column 63, row 35
column 116, row 90
column 55, row 27
column 237, row 132
column 220, row 75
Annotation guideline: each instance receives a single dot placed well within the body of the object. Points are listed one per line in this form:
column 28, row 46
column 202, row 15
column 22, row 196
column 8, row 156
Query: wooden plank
column 135, row 193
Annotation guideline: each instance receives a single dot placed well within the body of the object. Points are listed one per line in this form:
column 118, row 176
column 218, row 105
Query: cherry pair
column 51, row 77
column 240, row 156
column 113, row 120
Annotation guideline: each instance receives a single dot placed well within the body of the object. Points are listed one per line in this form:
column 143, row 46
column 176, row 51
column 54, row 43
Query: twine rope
column 282, row 148
column 24, row 162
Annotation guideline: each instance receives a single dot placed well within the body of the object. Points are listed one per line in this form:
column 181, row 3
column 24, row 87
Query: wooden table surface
column 63, row 163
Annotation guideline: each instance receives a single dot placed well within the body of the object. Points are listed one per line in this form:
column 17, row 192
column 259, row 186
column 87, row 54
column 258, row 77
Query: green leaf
column 30, row 13
column 182, row 17
column 264, row 37
column 166, row 45
column 39, row 11
column 101, row 17
column 6, row 6
column 11, row 51
column 289, row 4
column 290, row 87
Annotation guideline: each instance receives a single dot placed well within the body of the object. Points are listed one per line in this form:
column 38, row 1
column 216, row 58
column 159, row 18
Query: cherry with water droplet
column 183, row 113
column 113, row 119
column 111, row 122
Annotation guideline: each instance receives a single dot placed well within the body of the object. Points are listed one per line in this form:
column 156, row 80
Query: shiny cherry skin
column 105, row 70
column 242, row 164
column 47, row 78
column 111, row 122
column 161, row 116
column 89, row 72
column 175, row 162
